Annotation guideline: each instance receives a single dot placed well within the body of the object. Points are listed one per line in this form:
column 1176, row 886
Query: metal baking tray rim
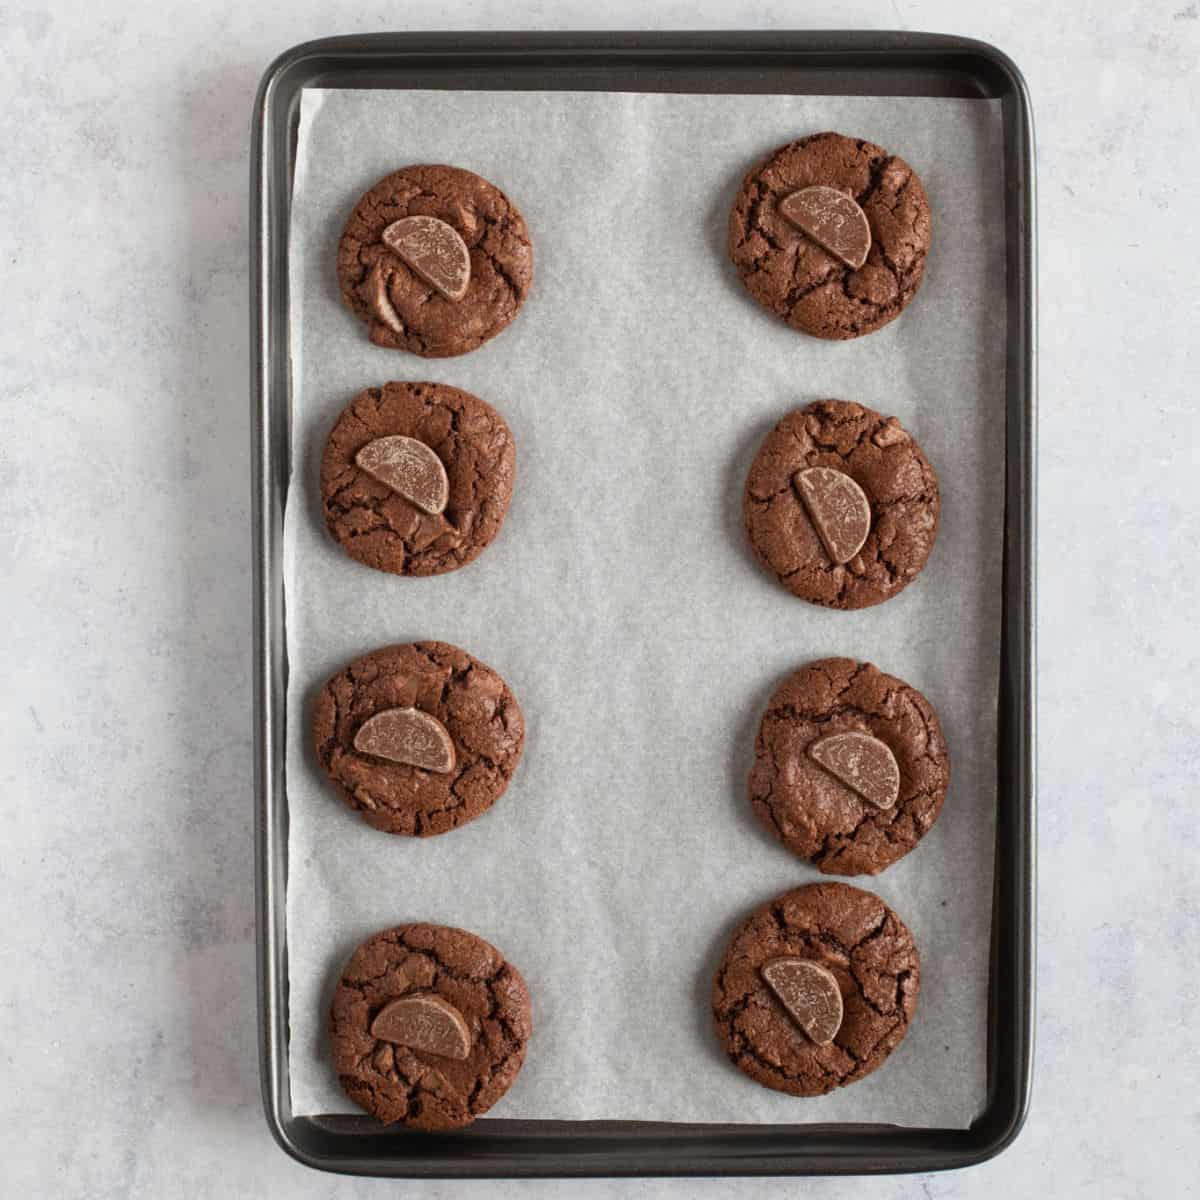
column 833, row 63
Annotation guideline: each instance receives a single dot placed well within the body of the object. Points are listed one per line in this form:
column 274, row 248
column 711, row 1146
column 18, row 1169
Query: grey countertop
column 127, row 1031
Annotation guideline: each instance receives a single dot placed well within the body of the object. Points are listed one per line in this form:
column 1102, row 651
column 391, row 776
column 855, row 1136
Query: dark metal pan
column 874, row 64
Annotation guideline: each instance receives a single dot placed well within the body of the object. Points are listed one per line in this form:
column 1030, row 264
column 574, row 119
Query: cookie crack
column 747, row 1050
column 877, row 166
column 798, row 293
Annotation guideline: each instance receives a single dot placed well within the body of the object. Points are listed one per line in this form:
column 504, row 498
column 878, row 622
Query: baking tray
column 829, row 63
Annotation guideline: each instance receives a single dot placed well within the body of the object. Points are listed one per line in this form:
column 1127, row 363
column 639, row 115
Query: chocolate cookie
column 418, row 739
column 850, row 767
column 436, row 260
column 816, row 989
column 831, row 233
column 416, row 477
column 841, row 505
column 430, row 1026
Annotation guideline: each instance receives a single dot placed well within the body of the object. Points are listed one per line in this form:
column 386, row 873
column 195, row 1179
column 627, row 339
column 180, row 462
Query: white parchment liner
column 620, row 600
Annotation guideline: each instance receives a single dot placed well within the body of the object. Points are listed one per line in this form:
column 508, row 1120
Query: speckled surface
column 127, row 1041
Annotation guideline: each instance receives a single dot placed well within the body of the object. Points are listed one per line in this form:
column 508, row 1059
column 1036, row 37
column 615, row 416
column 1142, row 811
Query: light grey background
column 621, row 601
column 127, row 1048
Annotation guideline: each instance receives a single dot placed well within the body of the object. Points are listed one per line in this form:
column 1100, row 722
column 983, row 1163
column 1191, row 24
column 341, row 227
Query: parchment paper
column 621, row 602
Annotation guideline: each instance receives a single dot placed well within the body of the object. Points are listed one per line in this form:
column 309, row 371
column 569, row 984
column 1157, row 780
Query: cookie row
column 430, row 1024
column 840, row 505
column 850, row 766
column 829, row 233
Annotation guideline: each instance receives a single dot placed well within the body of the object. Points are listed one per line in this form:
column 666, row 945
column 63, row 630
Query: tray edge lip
column 1013, row 1121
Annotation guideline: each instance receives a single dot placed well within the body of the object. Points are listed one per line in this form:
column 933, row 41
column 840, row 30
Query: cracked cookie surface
column 423, row 1090
column 871, row 954
column 472, row 702
column 383, row 529
column 813, row 813
column 892, row 470
column 413, row 315
column 809, row 288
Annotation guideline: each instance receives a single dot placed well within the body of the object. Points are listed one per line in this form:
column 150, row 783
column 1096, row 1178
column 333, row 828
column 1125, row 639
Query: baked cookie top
column 816, row 989
column 418, row 738
column 830, row 233
column 436, row 260
column 430, row 1026
column 850, row 766
column 416, row 478
column 841, row 505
